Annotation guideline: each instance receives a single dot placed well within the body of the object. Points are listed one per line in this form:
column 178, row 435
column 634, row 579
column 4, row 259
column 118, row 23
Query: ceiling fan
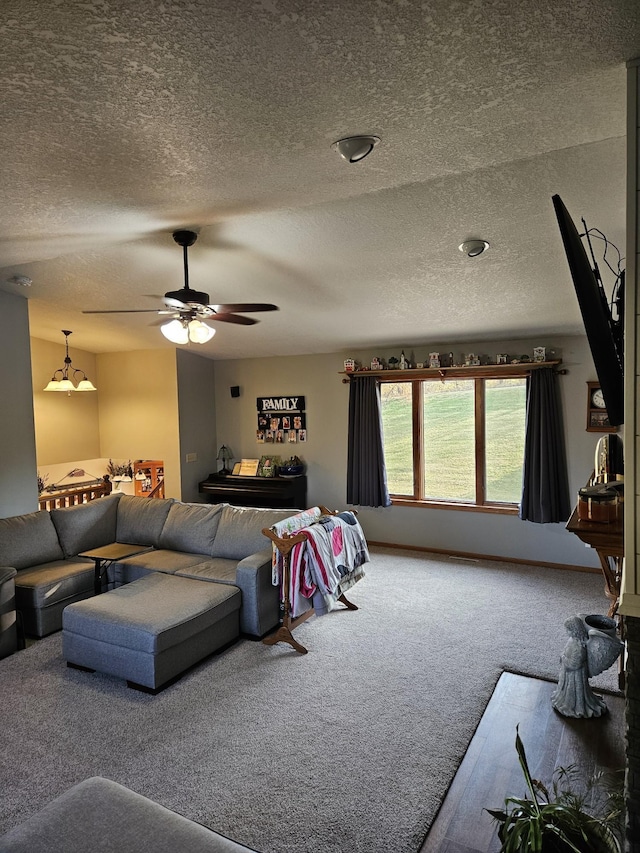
column 188, row 308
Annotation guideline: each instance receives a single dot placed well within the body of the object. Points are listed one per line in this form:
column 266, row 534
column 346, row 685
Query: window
column 455, row 443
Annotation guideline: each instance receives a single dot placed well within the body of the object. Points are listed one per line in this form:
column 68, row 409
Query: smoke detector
column 22, row 280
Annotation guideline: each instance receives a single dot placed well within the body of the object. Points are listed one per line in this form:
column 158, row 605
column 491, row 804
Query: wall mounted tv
column 603, row 320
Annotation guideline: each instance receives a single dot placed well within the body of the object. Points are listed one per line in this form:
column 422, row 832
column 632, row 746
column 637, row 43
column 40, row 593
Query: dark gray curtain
column 366, row 474
column 545, row 487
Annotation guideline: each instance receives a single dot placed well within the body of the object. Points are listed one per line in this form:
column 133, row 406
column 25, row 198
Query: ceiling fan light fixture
column 175, row 331
column 473, row 248
column 355, row 148
column 182, row 331
column 199, row 332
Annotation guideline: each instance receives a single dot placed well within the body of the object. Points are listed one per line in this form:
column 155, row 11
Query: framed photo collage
column 281, row 420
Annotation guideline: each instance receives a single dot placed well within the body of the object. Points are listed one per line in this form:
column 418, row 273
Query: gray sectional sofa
column 101, row 816
column 210, row 543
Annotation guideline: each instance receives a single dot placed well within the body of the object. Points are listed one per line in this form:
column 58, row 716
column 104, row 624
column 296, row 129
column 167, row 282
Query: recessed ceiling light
column 355, row 148
column 473, row 248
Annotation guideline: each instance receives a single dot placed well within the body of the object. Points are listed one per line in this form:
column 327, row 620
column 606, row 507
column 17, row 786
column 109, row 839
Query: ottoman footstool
column 151, row 630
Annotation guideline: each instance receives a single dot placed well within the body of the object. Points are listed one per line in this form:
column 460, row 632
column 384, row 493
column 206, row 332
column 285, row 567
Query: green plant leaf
column 522, row 756
column 529, row 824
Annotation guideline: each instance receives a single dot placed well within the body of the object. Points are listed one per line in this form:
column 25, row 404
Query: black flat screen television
column 604, row 331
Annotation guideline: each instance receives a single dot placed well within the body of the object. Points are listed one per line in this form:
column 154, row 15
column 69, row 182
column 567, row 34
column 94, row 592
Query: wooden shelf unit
column 472, row 371
column 153, row 481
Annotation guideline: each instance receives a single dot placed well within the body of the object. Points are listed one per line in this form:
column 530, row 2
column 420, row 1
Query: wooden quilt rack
column 284, row 634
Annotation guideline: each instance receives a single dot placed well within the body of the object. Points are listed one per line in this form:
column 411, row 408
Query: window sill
column 498, row 509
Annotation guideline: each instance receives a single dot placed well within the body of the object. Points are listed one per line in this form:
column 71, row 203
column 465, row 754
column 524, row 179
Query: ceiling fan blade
column 244, row 306
column 233, row 318
column 126, row 311
column 172, row 302
column 162, row 320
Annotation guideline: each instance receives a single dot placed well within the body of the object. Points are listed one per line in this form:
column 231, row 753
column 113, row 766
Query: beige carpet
column 348, row 748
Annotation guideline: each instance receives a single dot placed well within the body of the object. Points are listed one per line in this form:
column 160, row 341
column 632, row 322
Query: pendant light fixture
column 60, row 380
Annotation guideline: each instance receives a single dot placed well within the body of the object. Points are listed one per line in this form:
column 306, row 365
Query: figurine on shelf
column 539, row 354
column 434, row 359
column 403, row 361
column 393, row 363
column 375, row 363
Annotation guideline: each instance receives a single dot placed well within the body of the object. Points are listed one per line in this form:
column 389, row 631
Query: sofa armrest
column 260, row 611
column 6, row 573
column 100, row 815
column 8, row 628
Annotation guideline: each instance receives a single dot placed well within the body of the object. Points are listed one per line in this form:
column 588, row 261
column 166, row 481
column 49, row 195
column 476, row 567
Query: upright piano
column 275, row 492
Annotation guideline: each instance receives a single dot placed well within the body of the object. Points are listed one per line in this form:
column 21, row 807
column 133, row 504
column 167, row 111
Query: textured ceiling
column 122, row 122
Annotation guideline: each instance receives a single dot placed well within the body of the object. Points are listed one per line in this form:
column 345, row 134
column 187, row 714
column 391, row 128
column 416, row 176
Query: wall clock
column 597, row 416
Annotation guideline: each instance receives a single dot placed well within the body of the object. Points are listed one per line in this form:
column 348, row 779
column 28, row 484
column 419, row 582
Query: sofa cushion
column 50, row 583
column 26, row 540
column 158, row 560
column 86, row 526
column 216, row 569
column 191, row 528
column 140, row 520
column 240, row 530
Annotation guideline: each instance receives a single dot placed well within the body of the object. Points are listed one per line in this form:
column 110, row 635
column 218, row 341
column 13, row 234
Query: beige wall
column 317, row 377
column 138, row 407
column 136, row 412
column 66, row 425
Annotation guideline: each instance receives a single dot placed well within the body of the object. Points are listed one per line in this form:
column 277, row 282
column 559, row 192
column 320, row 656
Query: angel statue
column 589, row 651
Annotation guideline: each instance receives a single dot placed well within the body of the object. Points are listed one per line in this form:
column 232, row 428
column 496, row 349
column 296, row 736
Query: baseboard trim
column 470, row 555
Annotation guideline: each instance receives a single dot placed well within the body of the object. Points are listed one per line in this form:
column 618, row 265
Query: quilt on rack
column 326, row 564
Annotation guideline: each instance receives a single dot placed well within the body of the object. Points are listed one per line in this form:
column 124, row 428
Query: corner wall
column 630, row 599
column 18, row 470
column 197, row 421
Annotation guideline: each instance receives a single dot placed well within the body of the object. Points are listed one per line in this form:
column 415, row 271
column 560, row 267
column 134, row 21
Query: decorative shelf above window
column 476, row 371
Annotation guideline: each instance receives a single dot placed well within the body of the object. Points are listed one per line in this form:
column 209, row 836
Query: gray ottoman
column 152, row 630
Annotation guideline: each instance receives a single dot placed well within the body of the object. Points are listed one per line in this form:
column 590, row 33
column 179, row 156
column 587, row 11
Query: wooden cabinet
column 148, row 475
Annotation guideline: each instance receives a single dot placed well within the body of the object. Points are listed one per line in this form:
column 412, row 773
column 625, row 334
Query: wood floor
column 490, row 769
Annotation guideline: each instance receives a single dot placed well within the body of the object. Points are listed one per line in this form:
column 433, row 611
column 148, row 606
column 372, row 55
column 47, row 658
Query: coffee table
column 107, row 554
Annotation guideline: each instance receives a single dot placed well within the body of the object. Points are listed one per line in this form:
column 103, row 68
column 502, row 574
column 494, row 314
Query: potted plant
column 541, row 823
column 119, row 473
